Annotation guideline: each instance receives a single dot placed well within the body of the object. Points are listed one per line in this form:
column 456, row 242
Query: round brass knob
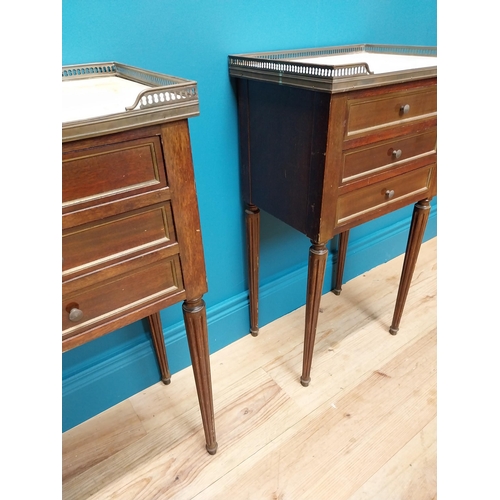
column 397, row 154
column 405, row 109
column 389, row 193
column 75, row 314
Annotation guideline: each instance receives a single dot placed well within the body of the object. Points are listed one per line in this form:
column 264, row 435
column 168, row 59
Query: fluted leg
column 419, row 219
column 343, row 238
column 252, row 219
column 159, row 345
column 315, row 276
column 195, row 320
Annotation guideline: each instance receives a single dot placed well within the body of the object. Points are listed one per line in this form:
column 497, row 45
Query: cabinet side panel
column 287, row 152
column 321, row 183
column 244, row 140
column 180, row 174
column 333, row 166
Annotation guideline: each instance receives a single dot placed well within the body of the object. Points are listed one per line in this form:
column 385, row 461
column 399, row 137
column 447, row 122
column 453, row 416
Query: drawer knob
column 397, row 154
column 75, row 314
column 404, row 110
column 389, row 194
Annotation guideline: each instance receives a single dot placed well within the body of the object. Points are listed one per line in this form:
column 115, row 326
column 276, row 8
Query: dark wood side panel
column 178, row 161
column 288, row 129
column 244, row 140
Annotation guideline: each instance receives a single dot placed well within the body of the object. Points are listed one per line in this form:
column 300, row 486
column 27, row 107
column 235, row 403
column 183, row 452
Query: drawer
column 382, row 195
column 380, row 156
column 369, row 113
column 102, row 173
column 119, row 295
column 110, row 240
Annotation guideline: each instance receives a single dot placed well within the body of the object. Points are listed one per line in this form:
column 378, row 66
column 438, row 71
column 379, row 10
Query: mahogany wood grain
column 391, row 131
column 88, row 174
column 115, row 206
column 177, row 151
column 396, row 170
column 366, row 114
column 114, row 322
column 384, row 155
column 327, row 210
column 133, row 283
column 111, row 239
column 380, row 196
column 90, row 166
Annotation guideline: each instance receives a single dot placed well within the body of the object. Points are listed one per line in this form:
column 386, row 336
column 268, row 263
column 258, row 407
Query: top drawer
column 369, row 113
column 108, row 172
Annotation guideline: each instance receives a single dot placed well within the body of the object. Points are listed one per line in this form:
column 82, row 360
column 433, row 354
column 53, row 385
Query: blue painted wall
column 192, row 39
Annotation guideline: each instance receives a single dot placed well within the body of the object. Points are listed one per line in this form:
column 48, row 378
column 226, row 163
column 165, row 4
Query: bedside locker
column 131, row 236
column 331, row 138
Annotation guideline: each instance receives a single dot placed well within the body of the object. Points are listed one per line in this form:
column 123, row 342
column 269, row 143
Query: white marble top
column 378, row 63
column 96, row 97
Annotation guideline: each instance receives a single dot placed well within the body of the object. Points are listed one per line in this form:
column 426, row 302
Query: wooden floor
column 365, row 428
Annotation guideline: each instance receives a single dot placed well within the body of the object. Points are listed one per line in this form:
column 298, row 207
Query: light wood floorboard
column 365, row 428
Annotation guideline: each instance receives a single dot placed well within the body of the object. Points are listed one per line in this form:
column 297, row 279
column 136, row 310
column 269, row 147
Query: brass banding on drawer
column 117, row 238
column 376, row 157
column 120, row 295
column 384, row 193
column 364, row 115
column 105, row 171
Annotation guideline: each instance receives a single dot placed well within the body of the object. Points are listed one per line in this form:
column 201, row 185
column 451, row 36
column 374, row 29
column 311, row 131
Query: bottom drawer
column 375, row 197
column 88, row 306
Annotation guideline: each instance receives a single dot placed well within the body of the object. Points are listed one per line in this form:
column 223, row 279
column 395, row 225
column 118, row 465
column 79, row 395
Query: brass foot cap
column 337, row 291
column 304, row 382
column 393, row 331
column 166, row 381
column 254, row 333
column 212, row 450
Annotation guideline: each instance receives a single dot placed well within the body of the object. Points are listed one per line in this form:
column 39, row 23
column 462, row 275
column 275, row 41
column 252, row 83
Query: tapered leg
column 419, row 219
column 195, row 320
column 315, row 276
column 343, row 238
column 252, row 219
column 159, row 344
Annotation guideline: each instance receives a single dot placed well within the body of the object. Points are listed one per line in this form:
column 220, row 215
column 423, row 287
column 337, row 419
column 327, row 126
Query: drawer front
column 103, row 243
column 101, row 173
column 367, row 114
column 369, row 160
column 114, row 297
column 381, row 195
